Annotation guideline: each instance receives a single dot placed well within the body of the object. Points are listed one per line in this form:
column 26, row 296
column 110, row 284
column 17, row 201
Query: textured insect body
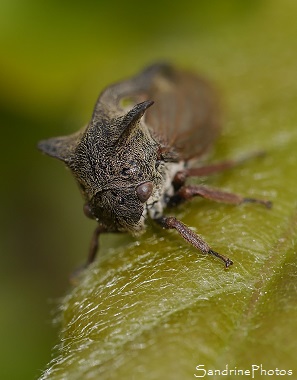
column 133, row 158
column 160, row 200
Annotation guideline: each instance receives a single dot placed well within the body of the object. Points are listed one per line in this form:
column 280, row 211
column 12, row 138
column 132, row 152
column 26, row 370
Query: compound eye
column 88, row 211
column 144, row 191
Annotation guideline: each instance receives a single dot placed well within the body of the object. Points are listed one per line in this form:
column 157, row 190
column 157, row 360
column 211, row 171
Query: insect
column 145, row 138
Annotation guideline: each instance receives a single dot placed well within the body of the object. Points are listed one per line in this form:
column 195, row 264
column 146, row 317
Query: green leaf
column 157, row 309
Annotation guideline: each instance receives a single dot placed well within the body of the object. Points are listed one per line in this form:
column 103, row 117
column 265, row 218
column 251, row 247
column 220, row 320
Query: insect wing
column 185, row 114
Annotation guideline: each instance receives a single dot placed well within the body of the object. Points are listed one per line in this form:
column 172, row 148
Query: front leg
column 94, row 245
column 192, row 238
column 188, row 192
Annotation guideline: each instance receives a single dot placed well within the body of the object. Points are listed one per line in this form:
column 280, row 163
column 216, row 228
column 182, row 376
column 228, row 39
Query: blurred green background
column 55, row 59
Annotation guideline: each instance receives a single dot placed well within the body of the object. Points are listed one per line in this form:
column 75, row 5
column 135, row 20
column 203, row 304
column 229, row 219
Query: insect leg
column 206, row 170
column 94, row 245
column 188, row 192
column 93, row 250
column 192, row 238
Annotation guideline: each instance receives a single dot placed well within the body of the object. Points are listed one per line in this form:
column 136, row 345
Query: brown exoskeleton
column 133, row 159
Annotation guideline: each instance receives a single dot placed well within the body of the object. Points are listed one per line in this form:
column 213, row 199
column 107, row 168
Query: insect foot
column 192, row 238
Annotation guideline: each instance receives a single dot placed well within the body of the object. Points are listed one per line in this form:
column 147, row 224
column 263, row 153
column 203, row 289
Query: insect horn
column 132, row 118
column 61, row 148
